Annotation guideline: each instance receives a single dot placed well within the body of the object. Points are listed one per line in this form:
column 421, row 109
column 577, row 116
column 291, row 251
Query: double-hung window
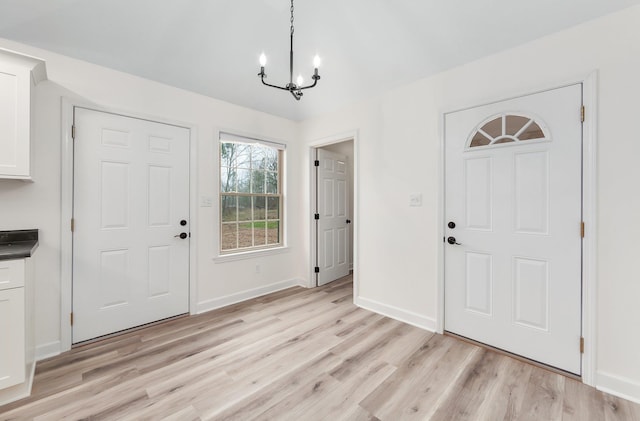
column 250, row 194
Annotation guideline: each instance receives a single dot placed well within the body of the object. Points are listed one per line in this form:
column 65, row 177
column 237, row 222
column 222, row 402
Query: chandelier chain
column 292, row 30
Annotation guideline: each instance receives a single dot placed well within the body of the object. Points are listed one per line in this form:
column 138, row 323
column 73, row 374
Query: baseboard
column 19, row 391
column 621, row 387
column 396, row 313
column 48, row 350
column 215, row 303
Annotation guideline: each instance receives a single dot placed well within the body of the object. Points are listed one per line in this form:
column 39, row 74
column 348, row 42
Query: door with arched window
column 513, row 209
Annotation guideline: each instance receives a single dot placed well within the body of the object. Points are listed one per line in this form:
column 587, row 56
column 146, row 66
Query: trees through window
column 250, row 195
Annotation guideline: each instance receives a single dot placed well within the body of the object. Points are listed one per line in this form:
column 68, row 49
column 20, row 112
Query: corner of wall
column 396, row 313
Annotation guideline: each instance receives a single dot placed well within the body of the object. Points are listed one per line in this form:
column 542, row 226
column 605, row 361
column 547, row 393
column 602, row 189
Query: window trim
column 239, row 253
column 515, row 138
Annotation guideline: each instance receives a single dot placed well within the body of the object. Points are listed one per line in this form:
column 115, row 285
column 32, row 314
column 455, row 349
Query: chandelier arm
column 315, row 82
column 275, row 86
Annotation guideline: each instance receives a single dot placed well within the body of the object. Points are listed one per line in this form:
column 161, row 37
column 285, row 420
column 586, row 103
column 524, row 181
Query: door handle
column 182, row 235
column 452, row 240
column 348, row 221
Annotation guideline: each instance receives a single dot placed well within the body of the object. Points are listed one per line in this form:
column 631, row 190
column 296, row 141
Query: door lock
column 452, row 240
column 451, row 225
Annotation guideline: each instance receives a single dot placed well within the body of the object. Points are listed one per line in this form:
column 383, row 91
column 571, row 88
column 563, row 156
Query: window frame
column 280, row 148
column 514, row 139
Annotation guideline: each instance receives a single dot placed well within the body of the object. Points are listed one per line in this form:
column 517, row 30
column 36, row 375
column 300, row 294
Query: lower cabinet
column 12, row 337
column 17, row 348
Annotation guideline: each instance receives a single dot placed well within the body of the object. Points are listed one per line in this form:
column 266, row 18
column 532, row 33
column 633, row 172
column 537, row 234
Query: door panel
column 513, row 189
column 479, row 288
column 333, row 234
column 479, row 200
column 131, row 189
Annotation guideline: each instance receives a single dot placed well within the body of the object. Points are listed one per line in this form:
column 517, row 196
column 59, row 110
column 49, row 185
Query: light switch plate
column 206, row 201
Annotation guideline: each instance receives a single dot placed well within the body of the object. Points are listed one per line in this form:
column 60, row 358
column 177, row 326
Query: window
column 507, row 128
column 250, row 194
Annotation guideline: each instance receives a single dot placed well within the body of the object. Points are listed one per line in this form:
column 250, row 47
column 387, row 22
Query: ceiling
column 212, row 46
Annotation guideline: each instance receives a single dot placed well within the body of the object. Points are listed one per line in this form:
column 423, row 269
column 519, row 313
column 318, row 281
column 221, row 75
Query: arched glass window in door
column 507, row 128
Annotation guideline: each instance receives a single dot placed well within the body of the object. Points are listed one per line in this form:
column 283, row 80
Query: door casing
column 66, row 238
column 589, row 195
column 330, row 140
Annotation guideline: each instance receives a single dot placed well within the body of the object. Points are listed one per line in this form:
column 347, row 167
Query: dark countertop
column 18, row 244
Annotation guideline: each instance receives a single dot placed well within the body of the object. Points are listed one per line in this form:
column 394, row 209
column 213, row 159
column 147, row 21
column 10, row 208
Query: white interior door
column 131, row 199
column 513, row 192
column 333, row 213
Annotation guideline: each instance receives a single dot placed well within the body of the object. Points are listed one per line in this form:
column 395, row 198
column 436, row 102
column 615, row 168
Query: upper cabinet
column 19, row 75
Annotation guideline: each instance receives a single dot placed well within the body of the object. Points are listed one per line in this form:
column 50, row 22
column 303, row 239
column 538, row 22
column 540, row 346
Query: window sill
column 250, row 254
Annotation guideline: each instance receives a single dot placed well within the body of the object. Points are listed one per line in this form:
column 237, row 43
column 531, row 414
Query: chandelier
column 294, row 88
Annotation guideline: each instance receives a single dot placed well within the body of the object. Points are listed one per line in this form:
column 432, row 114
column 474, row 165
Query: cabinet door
column 15, row 136
column 12, row 339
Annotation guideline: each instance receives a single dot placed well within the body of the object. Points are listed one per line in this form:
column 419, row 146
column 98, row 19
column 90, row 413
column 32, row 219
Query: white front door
column 513, row 243
column 333, row 213
column 131, row 199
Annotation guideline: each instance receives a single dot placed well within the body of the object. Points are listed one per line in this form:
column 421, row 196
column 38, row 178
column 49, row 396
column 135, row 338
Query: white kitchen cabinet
column 18, row 76
column 12, row 337
column 17, row 348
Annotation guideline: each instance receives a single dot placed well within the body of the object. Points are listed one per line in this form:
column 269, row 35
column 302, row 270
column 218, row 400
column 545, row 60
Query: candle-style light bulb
column 263, row 60
column 316, row 61
column 300, row 80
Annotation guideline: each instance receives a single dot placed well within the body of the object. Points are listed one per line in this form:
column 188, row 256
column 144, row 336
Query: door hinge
column 582, row 229
column 581, row 345
column 316, row 163
column 71, row 318
column 73, row 132
column 73, row 224
column 316, row 269
column 316, row 216
column 582, row 112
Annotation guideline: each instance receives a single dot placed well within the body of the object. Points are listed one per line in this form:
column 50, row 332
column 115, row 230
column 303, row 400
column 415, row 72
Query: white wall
column 399, row 154
column 38, row 204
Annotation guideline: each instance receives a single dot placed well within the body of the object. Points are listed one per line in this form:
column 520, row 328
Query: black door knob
column 452, row 240
column 348, row 221
column 451, row 225
column 183, row 222
column 182, row 235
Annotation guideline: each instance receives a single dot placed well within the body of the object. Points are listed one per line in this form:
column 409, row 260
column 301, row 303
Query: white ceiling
column 212, row 46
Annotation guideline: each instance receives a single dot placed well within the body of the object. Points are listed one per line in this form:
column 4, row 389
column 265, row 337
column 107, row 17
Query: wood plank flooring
column 301, row 354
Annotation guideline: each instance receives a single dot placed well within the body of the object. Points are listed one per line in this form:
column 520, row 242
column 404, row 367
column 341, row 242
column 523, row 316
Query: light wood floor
column 301, row 354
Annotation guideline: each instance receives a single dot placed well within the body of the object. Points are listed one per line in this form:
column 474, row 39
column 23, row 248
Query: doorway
column 333, row 204
column 513, row 215
column 131, row 224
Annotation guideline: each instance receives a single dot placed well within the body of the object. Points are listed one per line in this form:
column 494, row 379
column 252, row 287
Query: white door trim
column 589, row 195
column 326, row 141
column 66, row 211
